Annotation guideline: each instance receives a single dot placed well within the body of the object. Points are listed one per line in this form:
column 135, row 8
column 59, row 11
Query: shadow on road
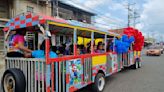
column 109, row 80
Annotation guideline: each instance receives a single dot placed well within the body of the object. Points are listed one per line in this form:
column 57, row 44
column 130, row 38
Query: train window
column 83, row 42
column 62, row 40
column 99, row 43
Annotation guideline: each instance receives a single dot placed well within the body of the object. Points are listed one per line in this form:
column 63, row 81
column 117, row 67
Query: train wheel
column 99, row 84
column 135, row 66
column 13, row 80
column 139, row 64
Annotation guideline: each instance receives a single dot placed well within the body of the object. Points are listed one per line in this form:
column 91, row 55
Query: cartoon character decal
column 75, row 70
column 114, row 63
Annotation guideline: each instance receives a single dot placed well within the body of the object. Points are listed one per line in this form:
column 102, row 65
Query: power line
column 136, row 15
column 156, row 24
column 105, row 24
column 132, row 14
column 104, row 16
column 128, row 7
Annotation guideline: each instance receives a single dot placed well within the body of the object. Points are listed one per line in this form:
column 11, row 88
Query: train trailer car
column 75, row 55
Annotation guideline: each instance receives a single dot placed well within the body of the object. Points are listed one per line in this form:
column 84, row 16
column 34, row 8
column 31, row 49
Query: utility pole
column 135, row 16
column 130, row 12
column 37, row 6
column 47, row 2
column 57, row 8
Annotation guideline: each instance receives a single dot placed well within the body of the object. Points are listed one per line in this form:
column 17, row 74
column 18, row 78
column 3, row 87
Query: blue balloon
column 125, row 38
column 122, row 45
column 131, row 39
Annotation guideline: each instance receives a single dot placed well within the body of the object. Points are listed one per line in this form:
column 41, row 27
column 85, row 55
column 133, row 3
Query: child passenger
column 41, row 54
column 100, row 48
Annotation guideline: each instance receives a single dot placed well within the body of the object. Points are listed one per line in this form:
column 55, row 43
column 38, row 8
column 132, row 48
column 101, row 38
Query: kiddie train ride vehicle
column 86, row 55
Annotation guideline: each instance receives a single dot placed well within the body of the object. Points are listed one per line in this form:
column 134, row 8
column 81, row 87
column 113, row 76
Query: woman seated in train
column 17, row 45
column 83, row 49
column 100, row 48
column 94, row 49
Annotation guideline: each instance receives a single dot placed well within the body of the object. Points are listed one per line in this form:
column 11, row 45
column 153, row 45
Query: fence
column 33, row 69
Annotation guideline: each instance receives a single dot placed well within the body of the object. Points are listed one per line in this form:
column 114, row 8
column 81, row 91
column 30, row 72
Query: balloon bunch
column 122, row 45
column 139, row 38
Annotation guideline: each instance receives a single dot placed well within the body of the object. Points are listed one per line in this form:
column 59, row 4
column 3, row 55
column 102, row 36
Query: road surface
column 149, row 78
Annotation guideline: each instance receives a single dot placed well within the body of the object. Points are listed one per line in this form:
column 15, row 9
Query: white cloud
column 153, row 18
column 89, row 5
column 94, row 3
column 140, row 26
column 95, row 6
column 107, row 23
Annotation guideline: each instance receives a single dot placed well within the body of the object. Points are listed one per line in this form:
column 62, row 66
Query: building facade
column 12, row 8
column 4, row 16
column 117, row 31
column 70, row 12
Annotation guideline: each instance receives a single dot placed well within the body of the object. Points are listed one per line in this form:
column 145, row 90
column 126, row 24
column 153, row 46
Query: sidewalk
column 2, row 68
column 2, row 64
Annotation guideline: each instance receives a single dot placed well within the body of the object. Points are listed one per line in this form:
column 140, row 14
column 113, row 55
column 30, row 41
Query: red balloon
column 139, row 38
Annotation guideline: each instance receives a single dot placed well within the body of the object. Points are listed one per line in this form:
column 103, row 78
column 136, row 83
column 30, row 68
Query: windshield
column 153, row 47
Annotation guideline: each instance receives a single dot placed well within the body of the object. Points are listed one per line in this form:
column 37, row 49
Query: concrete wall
column 20, row 6
column 12, row 8
column 4, row 8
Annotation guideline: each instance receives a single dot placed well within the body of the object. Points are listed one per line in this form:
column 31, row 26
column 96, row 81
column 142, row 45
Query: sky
column 112, row 14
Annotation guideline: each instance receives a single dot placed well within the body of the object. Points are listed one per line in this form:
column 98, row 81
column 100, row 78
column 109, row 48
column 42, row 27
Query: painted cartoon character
column 75, row 72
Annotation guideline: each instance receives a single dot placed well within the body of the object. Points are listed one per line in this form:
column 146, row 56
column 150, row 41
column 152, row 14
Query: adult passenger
column 17, row 46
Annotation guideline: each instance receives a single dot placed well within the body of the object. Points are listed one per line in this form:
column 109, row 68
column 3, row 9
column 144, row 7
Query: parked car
column 161, row 48
column 154, row 50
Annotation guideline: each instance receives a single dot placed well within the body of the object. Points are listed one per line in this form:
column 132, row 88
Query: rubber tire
column 139, row 65
column 134, row 65
column 159, row 55
column 20, row 82
column 95, row 84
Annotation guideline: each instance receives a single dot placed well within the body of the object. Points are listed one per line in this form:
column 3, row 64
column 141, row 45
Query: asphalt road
column 149, row 78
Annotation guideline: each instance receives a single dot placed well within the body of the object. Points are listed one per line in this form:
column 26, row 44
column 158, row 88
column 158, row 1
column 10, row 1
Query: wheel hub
column 136, row 65
column 9, row 83
column 101, row 84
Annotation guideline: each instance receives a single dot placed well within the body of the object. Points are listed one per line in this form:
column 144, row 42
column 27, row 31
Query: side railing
column 61, row 76
column 125, row 59
column 120, row 62
column 87, row 70
column 109, row 64
column 70, row 75
column 33, row 69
